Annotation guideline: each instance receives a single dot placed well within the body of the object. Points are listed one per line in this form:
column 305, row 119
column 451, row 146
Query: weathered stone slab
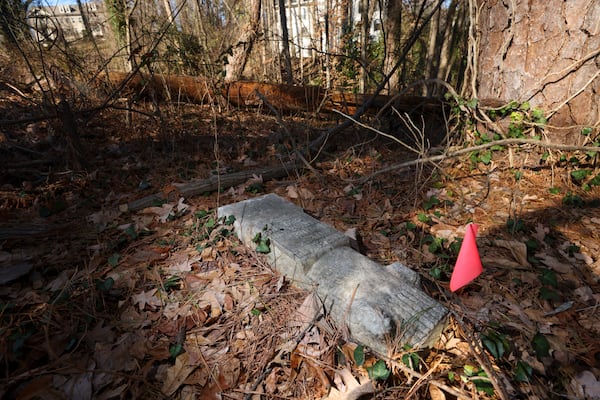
column 378, row 303
column 297, row 239
column 403, row 272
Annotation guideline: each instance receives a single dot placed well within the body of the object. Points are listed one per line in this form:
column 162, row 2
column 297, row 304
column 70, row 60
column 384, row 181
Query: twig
column 278, row 358
column 479, row 354
column 559, row 75
column 422, row 379
column 561, row 105
column 454, row 392
column 466, row 150
column 288, row 133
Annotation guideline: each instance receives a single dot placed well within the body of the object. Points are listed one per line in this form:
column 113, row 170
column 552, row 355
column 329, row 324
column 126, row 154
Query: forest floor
column 97, row 302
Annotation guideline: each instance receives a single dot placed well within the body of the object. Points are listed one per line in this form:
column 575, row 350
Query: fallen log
column 283, row 97
column 211, row 184
column 163, row 87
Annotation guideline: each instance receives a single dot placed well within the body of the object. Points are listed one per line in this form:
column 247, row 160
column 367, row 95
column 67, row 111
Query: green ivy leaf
column 586, row 131
column 595, row 181
column 201, row 214
column 359, row 355
column 580, row 174
column 496, row 343
column 433, row 201
column 264, row 246
column 549, row 294
column 484, row 385
column 175, row 350
column 130, row 231
column 436, row 273
column 451, row 376
column 422, row 217
column 574, row 200
column 540, row 345
column 485, row 157
column 255, row 188
column 470, row 370
column 548, row 277
column 554, row 190
column 518, row 175
column 436, row 245
column 379, row 371
column 105, row 285
column 113, row 260
column 523, row 372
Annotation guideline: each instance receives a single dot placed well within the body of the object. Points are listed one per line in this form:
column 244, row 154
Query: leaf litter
column 166, row 303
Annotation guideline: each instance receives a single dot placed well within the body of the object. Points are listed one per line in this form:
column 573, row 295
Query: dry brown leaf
column 80, row 386
column 292, row 192
column 554, row 264
column 181, row 262
column 174, row 310
column 307, row 313
column 162, row 213
column 540, row 233
column 435, row 393
column 272, row 380
column 348, row 387
column 499, row 261
column 586, row 385
column 444, row 231
column 176, row 374
column 60, row 281
column 146, row 298
column 517, row 249
column 112, row 393
column 131, row 319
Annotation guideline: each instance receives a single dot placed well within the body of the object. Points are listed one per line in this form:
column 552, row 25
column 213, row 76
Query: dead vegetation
column 97, row 302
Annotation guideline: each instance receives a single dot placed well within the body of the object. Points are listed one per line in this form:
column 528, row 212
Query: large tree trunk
column 241, row 50
column 546, row 53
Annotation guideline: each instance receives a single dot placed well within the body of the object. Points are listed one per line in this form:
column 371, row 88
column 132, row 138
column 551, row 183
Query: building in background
column 48, row 23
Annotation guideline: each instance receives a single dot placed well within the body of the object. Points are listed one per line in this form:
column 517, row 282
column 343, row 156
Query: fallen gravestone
column 379, row 304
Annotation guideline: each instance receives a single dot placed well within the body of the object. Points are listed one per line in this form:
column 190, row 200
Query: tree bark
column 364, row 43
column 236, row 62
column 545, row 53
column 392, row 24
column 285, row 43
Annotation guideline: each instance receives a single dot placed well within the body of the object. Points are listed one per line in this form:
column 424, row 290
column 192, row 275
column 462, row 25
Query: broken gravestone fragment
column 379, row 304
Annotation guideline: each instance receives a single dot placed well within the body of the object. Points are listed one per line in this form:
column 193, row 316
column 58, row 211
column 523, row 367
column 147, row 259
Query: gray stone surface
column 298, row 240
column 377, row 303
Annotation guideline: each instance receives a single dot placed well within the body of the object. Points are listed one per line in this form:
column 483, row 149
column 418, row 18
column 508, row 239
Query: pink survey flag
column 468, row 264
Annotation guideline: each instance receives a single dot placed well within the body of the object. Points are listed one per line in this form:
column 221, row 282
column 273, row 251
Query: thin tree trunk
column 431, row 57
column 450, row 32
column 392, row 35
column 285, row 43
column 364, row 44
